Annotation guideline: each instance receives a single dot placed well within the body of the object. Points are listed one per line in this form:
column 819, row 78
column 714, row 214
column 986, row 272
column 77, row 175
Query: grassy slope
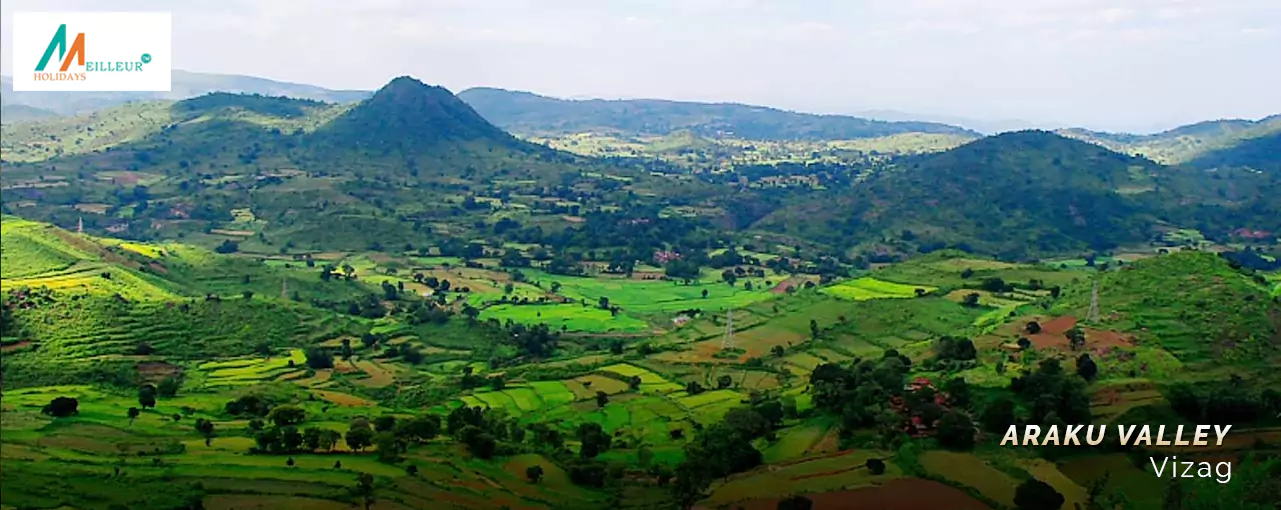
column 1192, row 304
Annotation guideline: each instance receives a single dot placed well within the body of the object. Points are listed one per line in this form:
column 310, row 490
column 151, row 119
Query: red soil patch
column 14, row 346
column 901, row 494
column 1098, row 339
column 1058, row 325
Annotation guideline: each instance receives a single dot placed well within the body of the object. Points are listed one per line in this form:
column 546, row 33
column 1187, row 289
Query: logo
column 110, row 51
column 59, row 43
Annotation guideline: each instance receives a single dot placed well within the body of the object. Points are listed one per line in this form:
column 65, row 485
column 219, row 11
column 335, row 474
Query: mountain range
column 391, row 166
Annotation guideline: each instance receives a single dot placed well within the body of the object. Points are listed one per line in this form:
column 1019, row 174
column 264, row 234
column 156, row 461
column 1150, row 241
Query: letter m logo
column 59, row 43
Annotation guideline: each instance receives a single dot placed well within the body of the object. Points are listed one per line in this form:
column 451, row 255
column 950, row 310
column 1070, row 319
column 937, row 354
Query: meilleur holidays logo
column 92, row 51
column 1145, row 436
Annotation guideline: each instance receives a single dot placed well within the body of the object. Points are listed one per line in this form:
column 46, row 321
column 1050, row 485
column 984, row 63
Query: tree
column 364, row 489
column 1037, row 495
column 958, row 392
column 875, row 466
column 999, row 415
column 147, row 396
column 693, row 388
column 956, row 430
column 1076, row 338
column 359, row 437
column 724, row 381
column 1024, row 343
column 480, row 443
column 796, row 503
column 534, row 473
column 634, row 382
column 411, row 470
column 389, row 447
column 421, row 428
column 204, row 427
column 311, row 437
column 704, row 293
column 729, row 277
column 168, row 387
column 287, row 415
column 813, row 328
column 1086, row 368
column 601, row 398
column 319, row 358
column 971, row 299
column 61, row 407
column 1033, row 328
column 594, row 440
column 328, row 439
column 384, row 423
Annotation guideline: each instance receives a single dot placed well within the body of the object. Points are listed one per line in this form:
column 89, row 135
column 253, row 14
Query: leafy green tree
column 319, row 358
column 133, row 413
column 147, row 396
column 724, row 381
column 1086, row 367
column 998, row 415
column 480, row 443
column 956, row 430
column 385, row 423
column 286, row 415
column 61, row 407
column 311, row 437
column 364, row 489
column 534, row 473
column 594, row 440
column 602, row 398
column 389, row 447
column 1034, row 494
column 358, row 438
column 168, row 387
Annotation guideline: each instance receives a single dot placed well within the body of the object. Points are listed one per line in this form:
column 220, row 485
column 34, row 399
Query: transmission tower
column 728, row 341
column 1094, row 303
column 284, row 289
column 80, row 225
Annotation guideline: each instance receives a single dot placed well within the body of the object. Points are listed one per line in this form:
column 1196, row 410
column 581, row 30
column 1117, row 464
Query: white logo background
column 109, row 37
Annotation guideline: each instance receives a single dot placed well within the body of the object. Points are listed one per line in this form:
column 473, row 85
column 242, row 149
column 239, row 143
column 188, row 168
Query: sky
column 1122, row 65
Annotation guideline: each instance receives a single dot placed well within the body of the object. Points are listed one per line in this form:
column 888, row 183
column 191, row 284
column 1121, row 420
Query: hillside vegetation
column 527, row 113
column 1027, row 194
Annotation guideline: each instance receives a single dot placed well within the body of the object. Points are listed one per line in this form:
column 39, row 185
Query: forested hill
column 528, row 113
column 1025, row 194
column 1259, row 153
column 1184, row 143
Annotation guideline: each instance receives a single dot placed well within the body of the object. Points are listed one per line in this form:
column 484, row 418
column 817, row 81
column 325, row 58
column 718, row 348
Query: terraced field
column 871, row 288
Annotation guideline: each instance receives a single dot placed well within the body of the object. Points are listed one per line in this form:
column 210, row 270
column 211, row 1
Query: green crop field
column 572, row 317
column 871, row 288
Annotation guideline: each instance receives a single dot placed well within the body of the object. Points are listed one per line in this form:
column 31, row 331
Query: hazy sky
column 1104, row 64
